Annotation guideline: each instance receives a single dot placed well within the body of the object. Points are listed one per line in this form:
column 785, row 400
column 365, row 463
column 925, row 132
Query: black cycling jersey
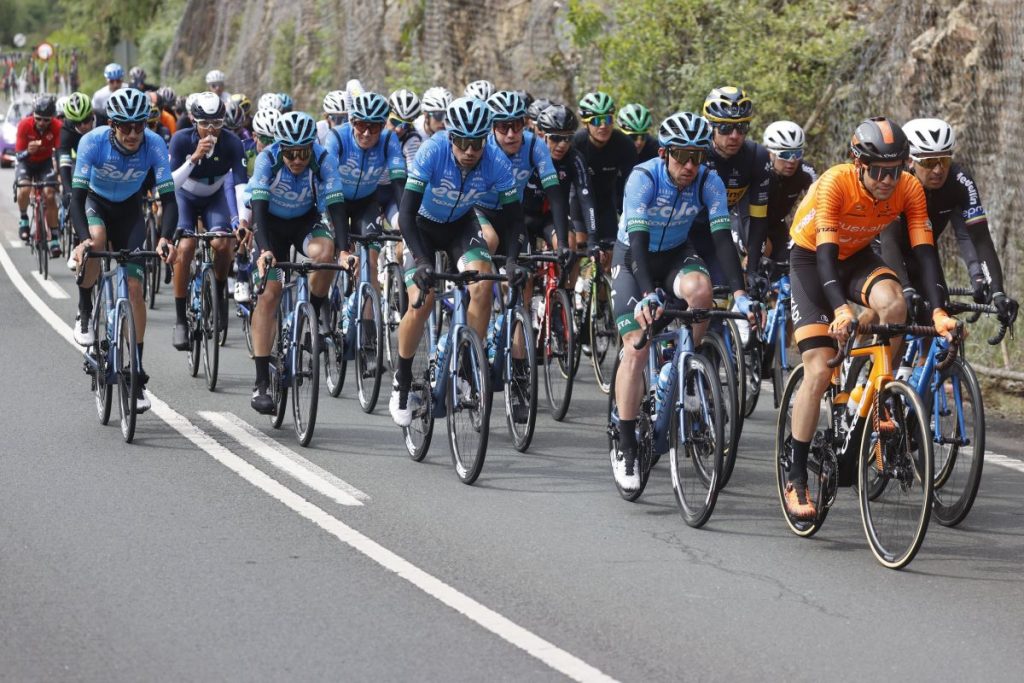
column 608, row 166
column 783, row 193
column 575, row 182
column 66, row 151
column 649, row 150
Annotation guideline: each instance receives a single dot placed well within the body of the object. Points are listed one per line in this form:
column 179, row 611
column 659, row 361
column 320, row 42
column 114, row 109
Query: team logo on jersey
column 350, row 170
column 111, row 172
column 281, row 191
column 447, row 190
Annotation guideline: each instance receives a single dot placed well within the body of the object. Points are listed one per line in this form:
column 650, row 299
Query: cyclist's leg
column 188, row 209
column 363, row 214
column 871, row 283
column 471, row 253
column 317, row 243
column 264, row 316
column 489, row 230
column 217, row 218
column 625, row 295
column 691, row 282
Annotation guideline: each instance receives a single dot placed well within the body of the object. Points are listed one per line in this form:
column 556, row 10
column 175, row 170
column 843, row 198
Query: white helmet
column 783, row 135
column 482, row 90
column 405, row 104
column 269, row 100
column 265, row 122
column 334, row 102
column 930, row 137
column 354, row 88
column 215, row 76
column 189, row 101
column 436, row 99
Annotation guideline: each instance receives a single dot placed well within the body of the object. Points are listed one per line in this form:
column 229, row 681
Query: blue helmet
column 287, row 103
column 370, row 107
column 113, row 72
column 128, row 105
column 469, row 117
column 506, row 105
column 685, row 129
column 295, row 129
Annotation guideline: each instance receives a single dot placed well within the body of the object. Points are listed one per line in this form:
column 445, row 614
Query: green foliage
column 282, row 54
column 155, row 40
column 408, row 73
column 31, row 17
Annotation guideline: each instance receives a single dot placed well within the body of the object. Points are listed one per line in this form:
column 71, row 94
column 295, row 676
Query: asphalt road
column 216, row 548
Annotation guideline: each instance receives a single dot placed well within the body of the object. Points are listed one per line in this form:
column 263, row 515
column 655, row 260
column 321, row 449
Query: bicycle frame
column 113, row 308
column 778, row 317
column 928, row 382
column 439, row 357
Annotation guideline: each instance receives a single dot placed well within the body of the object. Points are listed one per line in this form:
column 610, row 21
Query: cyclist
column 953, row 198
column 36, row 139
column 264, row 125
column 185, row 120
column 790, row 177
column 652, row 251
column 449, row 174
column 154, row 124
column 270, row 100
column 635, row 120
column 245, row 103
column 831, row 261
column 114, row 73
column 78, row 120
column 434, row 103
column 206, row 160
column 335, row 114
column 106, row 205
column 481, row 90
column 294, row 182
column 405, row 108
column 215, row 84
column 287, row 103
column 165, row 99
column 533, row 111
column 137, row 80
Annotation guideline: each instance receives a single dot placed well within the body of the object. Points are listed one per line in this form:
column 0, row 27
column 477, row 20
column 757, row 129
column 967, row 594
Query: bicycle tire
column 520, row 377
column 127, row 370
column 713, row 348
column 332, row 342
column 152, row 267
column 305, row 372
column 246, row 317
column 956, row 487
column 696, row 464
column 558, row 358
column 602, row 333
column 752, row 356
column 369, row 350
column 194, row 322
column 418, row 434
column 910, row 475
column 644, row 438
column 779, row 374
column 209, row 318
column 102, row 389
column 473, row 400
column 396, row 302
column 278, row 386
column 734, row 345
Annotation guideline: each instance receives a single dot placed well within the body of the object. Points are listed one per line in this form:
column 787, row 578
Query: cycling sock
column 85, row 302
column 262, row 371
column 627, row 436
column 139, row 345
column 318, row 303
column 403, row 375
column 222, row 288
column 24, row 216
column 179, row 308
column 798, row 469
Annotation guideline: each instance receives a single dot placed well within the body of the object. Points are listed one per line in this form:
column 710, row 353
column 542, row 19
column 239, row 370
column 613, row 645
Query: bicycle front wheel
column 209, row 316
column 602, row 334
column 419, row 433
column 334, row 344
column 752, row 356
column 369, row 351
column 697, row 441
column 100, row 350
column 305, row 373
column 559, row 349
column 468, row 399
column 958, row 422
column 127, row 370
column 521, row 383
column 396, row 301
column 713, row 348
column 897, row 450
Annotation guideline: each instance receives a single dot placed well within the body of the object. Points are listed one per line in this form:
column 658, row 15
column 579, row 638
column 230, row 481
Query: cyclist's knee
column 816, row 371
column 886, row 298
column 694, row 288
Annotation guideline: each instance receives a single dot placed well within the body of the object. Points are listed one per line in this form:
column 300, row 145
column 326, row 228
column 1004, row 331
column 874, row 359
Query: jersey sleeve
column 915, row 208
column 760, row 183
column 159, row 163
column 259, row 183
column 829, row 207
column 85, row 161
column 970, row 207
column 640, row 193
column 422, row 166
column 504, row 180
column 545, row 168
column 21, row 138
column 331, row 190
column 64, row 150
column 713, row 196
column 331, row 142
column 395, row 158
column 179, row 148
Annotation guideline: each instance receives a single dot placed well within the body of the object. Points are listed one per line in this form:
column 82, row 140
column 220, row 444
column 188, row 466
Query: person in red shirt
column 37, row 138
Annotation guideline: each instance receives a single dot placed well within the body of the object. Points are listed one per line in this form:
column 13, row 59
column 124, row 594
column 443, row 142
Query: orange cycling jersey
column 838, row 210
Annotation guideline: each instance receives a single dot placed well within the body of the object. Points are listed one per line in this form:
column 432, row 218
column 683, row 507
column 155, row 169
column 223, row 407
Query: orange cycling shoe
column 798, row 502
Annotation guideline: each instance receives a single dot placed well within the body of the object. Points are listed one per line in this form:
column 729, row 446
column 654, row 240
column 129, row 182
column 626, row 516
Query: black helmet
column 45, row 106
column 879, row 139
column 165, row 97
column 728, row 104
column 534, row 109
column 557, row 118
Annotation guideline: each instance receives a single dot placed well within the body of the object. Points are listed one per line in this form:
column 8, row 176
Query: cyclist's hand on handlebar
column 243, row 234
column 1007, row 308
column 348, row 260
column 265, row 262
column 944, row 325
column 594, row 252
column 980, row 286
column 914, row 302
column 517, row 274
column 750, row 308
column 166, row 250
column 648, row 309
column 840, row 327
column 565, row 256
column 423, row 278
column 758, row 286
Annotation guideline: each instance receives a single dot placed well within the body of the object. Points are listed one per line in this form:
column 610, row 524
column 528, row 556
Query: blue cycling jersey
column 533, row 155
column 362, row 169
column 654, row 204
column 290, row 195
column 105, row 170
column 449, row 192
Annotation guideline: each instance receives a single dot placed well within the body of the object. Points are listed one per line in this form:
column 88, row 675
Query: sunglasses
column 131, row 126
column 397, row 122
column 880, row 173
column 506, row 127
column 932, row 162
column 265, row 139
column 437, row 115
column 727, row 128
column 684, row 156
column 790, row 154
column 557, row 138
column 598, row 121
column 475, row 144
column 214, row 124
column 297, row 153
column 86, row 122
column 367, row 126
column 636, row 137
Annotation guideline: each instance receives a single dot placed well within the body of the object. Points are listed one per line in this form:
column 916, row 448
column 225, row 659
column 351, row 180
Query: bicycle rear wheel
column 468, row 399
column 246, row 316
column 102, row 389
column 334, row 345
column 696, row 441
column 396, row 300
column 152, row 267
column 208, row 328
column 278, row 384
column 418, row 434
column 369, row 351
column 305, row 373
column 602, row 334
column 644, row 438
column 41, row 237
column 713, row 348
column 559, row 349
column 194, row 322
column 521, row 383
column 752, row 356
column 127, row 370
column 897, row 449
column 734, row 345
column 958, row 416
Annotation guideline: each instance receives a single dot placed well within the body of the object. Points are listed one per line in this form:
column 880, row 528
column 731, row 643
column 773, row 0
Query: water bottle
column 663, row 387
column 492, row 337
column 442, row 344
column 348, row 314
column 853, row 402
column 538, row 308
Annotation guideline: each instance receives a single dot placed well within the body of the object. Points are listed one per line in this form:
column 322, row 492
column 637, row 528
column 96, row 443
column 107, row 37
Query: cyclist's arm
column 21, row 142
column 412, row 198
column 584, row 197
column 715, row 200
column 260, row 214
column 181, row 159
column 968, row 253
column 975, row 224
column 759, row 187
column 892, row 251
column 238, row 175
column 169, row 211
column 922, row 242
column 559, row 212
column 77, row 208
column 396, row 167
column 640, row 193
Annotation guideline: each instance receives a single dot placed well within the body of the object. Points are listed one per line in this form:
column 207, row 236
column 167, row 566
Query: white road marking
column 16, row 244
column 50, row 287
column 1003, row 461
column 556, row 658
column 285, row 459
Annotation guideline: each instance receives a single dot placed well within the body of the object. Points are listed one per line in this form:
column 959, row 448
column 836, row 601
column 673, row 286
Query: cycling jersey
column 105, row 170
column 748, row 169
column 533, row 155
column 27, row 132
column 572, row 174
column 608, row 166
column 649, row 150
column 783, row 192
column 291, row 196
column 67, row 152
column 361, row 170
column 168, row 121
column 99, row 103
column 214, row 173
column 655, row 205
column 448, row 191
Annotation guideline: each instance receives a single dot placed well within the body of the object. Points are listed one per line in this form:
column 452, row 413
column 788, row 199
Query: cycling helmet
column 243, row 101
column 215, row 76
column 354, row 88
column 113, row 72
column 506, row 105
column 405, row 104
column 78, row 107
column 180, row 105
column 469, row 117
column 59, row 107
column 264, row 122
column 207, row 106
column 557, row 118
column 634, row 118
column 536, row 107
column 269, row 100
column 685, row 129
column 127, row 105
column 295, row 129
column 527, row 97
column 234, row 117
column 596, row 104
column 784, row 135
column 370, row 107
column 165, row 97
column 728, row 104
column 334, row 102
column 481, row 90
column 287, row 103
column 930, row 137
column 136, row 75
column 436, row 99
column 154, row 114
column 879, row 139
